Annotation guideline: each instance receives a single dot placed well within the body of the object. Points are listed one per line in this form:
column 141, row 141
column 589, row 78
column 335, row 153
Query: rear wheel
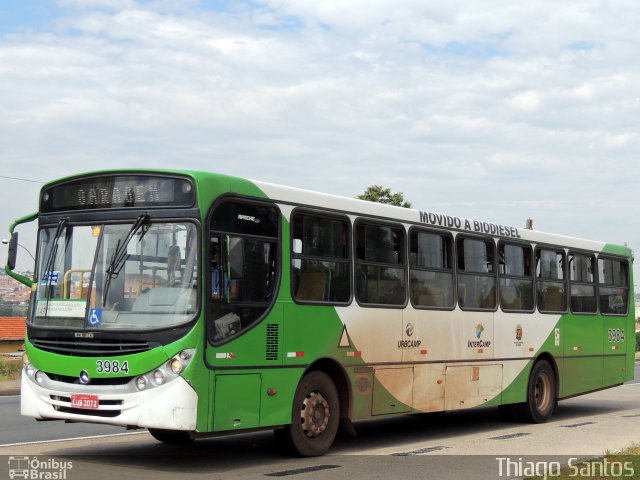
column 541, row 394
column 315, row 417
column 171, row 436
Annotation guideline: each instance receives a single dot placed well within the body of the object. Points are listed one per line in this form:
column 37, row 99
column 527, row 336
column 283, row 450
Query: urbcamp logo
column 479, row 343
column 409, row 343
column 36, row 468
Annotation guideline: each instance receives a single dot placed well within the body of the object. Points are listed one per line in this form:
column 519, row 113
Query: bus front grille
column 91, row 348
column 110, row 381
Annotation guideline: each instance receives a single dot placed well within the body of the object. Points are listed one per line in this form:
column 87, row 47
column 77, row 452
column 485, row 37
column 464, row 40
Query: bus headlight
column 158, row 377
column 40, row 376
column 165, row 373
column 30, row 370
column 176, row 366
column 141, row 383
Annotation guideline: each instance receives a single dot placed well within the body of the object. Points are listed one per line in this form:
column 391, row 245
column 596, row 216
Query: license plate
column 90, row 402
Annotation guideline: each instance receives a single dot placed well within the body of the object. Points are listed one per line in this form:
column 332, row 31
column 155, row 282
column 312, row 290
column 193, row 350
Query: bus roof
column 353, row 206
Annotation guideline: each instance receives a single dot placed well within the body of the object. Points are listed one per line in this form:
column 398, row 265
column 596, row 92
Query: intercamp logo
column 37, row 469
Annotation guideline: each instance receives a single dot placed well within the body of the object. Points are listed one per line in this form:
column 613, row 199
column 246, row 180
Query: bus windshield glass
column 130, row 276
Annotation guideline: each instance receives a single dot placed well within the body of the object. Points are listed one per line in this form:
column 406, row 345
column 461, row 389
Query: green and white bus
column 195, row 304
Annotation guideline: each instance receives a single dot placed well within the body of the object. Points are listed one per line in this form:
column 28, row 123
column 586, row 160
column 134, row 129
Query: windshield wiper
column 51, row 260
column 120, row 254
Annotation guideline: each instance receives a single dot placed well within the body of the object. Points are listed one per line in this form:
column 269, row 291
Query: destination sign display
column 118, row 191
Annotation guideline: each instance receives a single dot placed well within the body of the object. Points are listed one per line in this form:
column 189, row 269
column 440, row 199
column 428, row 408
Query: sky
column 495, row 110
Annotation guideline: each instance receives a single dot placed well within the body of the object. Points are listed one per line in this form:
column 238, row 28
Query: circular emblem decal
column 84, row 377
column 409, row 330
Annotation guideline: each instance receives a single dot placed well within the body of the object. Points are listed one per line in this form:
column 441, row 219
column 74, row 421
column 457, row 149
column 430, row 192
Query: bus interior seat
column 552, row 298
column 313, row 284
column 432, row 297
column 488, row 298
column 510, row 299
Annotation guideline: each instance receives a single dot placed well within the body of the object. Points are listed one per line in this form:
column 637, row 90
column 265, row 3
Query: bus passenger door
column 583, row 329
column 583, row 362
column 614, row 337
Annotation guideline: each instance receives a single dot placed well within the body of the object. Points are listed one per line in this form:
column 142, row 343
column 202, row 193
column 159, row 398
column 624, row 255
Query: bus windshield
column 128, row 276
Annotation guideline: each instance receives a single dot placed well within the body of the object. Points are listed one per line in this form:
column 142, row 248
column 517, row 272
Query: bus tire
column 541, row 394
column 174, row 437
column 315, row 417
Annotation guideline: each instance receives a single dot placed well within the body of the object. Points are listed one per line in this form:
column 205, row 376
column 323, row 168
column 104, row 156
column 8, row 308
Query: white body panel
column 171, row 406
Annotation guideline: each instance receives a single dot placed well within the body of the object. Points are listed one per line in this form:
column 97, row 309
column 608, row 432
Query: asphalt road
column 464, row 444
column 17, row 429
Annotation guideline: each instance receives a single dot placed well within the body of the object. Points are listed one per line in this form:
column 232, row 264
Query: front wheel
column 315, row 417
column 541, row 394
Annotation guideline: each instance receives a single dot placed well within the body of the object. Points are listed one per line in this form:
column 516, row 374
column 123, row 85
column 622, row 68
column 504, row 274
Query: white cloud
column 620, row 140
column 527, row 101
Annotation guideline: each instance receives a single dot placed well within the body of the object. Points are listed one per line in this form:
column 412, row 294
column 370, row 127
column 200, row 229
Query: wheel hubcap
column 314, row 415
column 543, row 392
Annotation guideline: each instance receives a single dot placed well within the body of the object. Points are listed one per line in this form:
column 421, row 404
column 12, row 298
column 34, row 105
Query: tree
column 377, row 193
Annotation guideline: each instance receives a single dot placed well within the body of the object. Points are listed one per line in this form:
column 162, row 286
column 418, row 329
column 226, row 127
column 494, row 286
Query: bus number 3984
column 616, row 335
column 112, row 366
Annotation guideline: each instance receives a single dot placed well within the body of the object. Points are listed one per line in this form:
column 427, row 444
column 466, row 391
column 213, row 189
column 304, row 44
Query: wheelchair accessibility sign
column 95, row 317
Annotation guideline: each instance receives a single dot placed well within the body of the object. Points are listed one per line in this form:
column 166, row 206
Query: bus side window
column 550, row 280
column 243, row 254
column 380, row 264
column 516, row 277
column 320, row 258
column 476, row 273
column 613, row 286
column 431, row 269
column 583, row 288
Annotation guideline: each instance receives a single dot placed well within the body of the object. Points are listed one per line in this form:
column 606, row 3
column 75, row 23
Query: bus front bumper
column 171, row 406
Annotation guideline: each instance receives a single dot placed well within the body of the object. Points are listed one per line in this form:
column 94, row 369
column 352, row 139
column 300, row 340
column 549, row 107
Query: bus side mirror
column 13, row 251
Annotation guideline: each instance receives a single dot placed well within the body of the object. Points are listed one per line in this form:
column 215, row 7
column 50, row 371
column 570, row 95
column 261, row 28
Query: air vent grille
column 272, row 341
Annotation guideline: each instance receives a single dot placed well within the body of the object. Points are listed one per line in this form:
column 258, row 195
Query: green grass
column 623, row 464
column 10, row 369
